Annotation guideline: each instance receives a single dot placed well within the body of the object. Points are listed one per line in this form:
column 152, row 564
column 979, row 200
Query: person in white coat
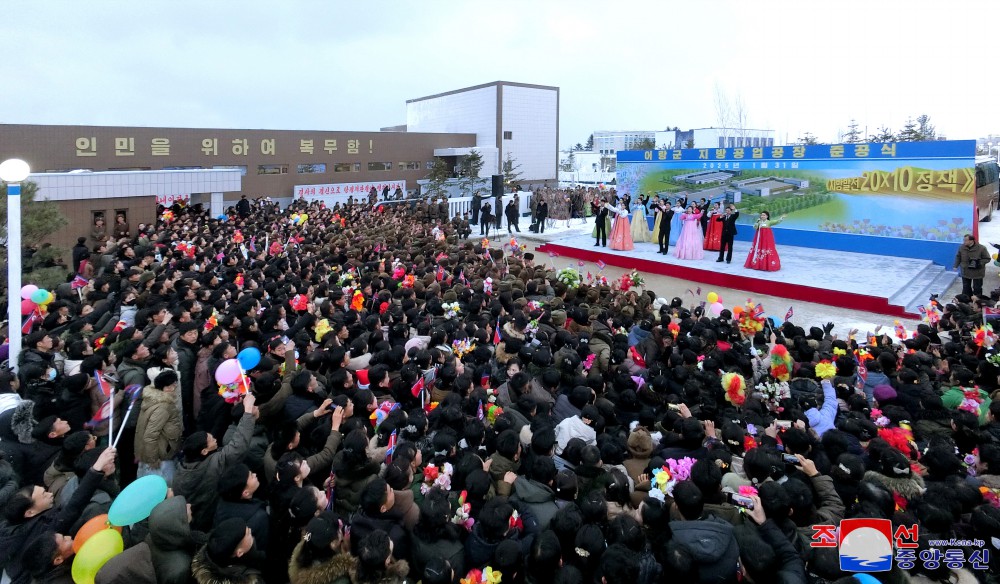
column 578, row 426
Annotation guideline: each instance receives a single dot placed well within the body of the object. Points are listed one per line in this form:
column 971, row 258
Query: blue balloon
column 137, row 500
column 248, row 358
column 221, row 217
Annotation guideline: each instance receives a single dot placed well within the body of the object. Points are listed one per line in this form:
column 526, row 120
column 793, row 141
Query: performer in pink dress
column 689, row 244
column 621, row 232
column 763, row 253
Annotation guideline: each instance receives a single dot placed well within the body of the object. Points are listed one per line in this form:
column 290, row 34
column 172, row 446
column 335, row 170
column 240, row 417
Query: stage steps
column 933, row 279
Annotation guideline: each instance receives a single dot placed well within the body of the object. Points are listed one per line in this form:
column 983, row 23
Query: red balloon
column 27, row 307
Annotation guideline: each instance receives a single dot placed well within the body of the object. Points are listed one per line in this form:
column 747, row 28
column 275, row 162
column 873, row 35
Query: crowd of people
column 433, row 408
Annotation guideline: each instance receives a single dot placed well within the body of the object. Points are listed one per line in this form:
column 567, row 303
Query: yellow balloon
column 713, row 297
column 101, row 547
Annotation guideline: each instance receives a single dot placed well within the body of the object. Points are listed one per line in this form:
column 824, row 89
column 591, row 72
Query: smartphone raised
column 740, row 501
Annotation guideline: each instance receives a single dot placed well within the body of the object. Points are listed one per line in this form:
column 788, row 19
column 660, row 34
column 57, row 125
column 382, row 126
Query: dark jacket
column 424, row 550
column 254, row 512
column 171, row 541
column 206, row 571
column 340, row 569
column 198, row 481
column 792, row 570
column 363, row 524
column 350, row 483
column 133, row 566
column 967, row 255
column 28, row 458
column 187, row 360
column 538, row 497
column 728, row 224
column 13, row 538
column 712, row 547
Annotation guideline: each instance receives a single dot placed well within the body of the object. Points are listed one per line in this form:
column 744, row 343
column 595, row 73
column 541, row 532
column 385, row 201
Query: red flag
column 29, row 323
column 418, row 387
column 83, row 265
column 479, row 411
column 102, row 384
column 788, row 315
column 636, row 357
column 496, row 334
column 391, row 448
column 601, row 264
column 78, row 282
column 580, row 263
column 484, row 381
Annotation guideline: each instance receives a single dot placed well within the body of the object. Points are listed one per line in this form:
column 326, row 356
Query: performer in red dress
column 763, row 255
column 713, row 236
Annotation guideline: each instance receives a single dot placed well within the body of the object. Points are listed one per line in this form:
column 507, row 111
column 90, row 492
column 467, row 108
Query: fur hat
column 884, row 393
column 558, row 318
column 640, row 443
column 22, row 423
column 225, row 538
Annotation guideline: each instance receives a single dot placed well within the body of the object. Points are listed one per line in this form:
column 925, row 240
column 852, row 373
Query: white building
column 586, row 167
column 515, row 119
column 610, row 142
column 715, row 138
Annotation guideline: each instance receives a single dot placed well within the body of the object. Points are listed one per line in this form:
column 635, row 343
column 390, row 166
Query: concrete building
column 715, row 138
column 515, row 119
column 610, row 142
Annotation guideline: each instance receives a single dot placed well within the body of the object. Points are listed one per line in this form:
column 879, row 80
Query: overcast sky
column 798, row 66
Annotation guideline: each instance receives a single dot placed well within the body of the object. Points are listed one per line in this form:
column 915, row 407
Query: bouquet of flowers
column 462, row 347
column 451, row 309
column 532, row 328
column 437, row 477
column 569, row 276
column 346, row 280
column 735, row 387
column 663, row 484
column 462, row 513
column 751, row 319
column 637, row 279
column 772, row 392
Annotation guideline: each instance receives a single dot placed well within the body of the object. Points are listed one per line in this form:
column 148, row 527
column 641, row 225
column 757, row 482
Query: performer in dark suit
column 486, row 219
column 601, row 233
column 663, row 233
column 728, row 232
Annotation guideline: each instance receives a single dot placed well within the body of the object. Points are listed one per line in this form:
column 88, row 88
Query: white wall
column 100, row 185
column 472, row 111
column 530, row 114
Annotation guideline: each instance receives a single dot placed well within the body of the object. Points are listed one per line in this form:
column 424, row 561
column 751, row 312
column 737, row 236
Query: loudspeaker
column 497, row 185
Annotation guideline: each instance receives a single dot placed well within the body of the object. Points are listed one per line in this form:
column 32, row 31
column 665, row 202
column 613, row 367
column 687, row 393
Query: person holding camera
column 971, row 261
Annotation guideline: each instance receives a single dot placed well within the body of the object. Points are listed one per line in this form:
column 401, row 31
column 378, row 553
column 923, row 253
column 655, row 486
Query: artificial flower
column 735, row 387
column 825, row 369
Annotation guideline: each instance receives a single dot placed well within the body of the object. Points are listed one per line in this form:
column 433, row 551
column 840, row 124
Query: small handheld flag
column 601, row 265
column 78, row 282
column 479, row 411
column 391, row 448
column 789, row 314
column 418, row 387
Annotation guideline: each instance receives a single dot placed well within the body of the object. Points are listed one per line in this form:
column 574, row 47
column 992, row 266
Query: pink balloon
column 716, row 308
column 27, row 290
column 27, row 306
column 228, row 372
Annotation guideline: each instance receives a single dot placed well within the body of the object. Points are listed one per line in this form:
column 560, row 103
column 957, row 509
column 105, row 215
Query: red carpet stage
column 881, row 284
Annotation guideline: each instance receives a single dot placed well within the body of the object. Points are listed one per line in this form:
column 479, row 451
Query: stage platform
column 882, row 284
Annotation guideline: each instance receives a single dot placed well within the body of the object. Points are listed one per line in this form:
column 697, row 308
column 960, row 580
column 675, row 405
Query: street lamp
column 12, row 172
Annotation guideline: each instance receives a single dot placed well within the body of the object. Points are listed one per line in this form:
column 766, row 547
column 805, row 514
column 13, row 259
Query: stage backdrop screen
column 911, row 199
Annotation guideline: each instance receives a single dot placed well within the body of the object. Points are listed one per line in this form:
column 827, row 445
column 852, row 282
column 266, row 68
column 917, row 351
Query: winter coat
column 792, row 570
column 340, row 569
column 158, row 431
column 14, row 537
column 909, row 487
column 134, row 565
column 977, row 253
column 564, row 409
column 591, row 478
column 198, row 481
column 253, row 511
column 479, row 551
column 363, row 524
column 28, row 458
column 539, row 497
column 712, row 547
column 8, row 482
column 206, row 571
column 395, row 573
column 823, row 419
column 600, row 345
column 171, row 541
column 351, row 483
column 424, row 550
column 500, row 466
column 573, row 427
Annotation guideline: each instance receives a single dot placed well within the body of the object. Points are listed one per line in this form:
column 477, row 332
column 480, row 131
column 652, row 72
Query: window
column 379, row 166
column 347, row 167
column 310, row 168
column 508, row 135
column 272, row 169
column 429, row 165
column 241, row 168
column 182, row 168
column 98, row 215
column 129, row 168
column 722, row 142
column 409, row 166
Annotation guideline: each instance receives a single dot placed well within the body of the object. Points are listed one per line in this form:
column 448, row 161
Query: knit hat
column 884, row 393
column 303, row 504
column 224, row 540
column 43, row 428
column 75, row 443
column 166, row 378
column 146, row 277
column 894, row 464
column 321, row 532
column 640, row 443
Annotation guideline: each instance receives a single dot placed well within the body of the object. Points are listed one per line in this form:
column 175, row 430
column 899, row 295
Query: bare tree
column 732, row 114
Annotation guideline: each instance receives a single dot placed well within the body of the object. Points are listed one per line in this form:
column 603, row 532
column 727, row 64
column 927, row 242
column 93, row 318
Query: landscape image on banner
column 928, row 198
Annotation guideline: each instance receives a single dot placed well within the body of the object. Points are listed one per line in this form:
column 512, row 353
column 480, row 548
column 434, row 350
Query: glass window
column 508, row 135
column 241, row 168
column 347, row 167
column 310, row 168
column 272, row 169
column 409, row 166
column 379, row 166
column 429, row 165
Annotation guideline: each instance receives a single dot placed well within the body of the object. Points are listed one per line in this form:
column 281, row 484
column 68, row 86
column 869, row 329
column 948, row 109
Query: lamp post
column 12, row 172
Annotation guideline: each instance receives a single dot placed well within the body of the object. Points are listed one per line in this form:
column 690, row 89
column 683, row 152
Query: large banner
column 909, row 190
column 358, row 189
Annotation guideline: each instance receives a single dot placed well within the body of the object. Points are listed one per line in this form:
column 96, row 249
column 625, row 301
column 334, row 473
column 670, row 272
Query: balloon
column 137, row 500
column 27, row 307
column 49, row 297
column 27, row 291
column 716, row 308
column 712, row 297
column 39, row 296
column 221, row 217
column 89, row 529
column 737, row 310
column 249, row 358
column 228, row 372
column 101, row 547
column 304, row 217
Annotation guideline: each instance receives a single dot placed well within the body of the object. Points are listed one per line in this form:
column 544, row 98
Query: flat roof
column 482, row 86
column 189, row 128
